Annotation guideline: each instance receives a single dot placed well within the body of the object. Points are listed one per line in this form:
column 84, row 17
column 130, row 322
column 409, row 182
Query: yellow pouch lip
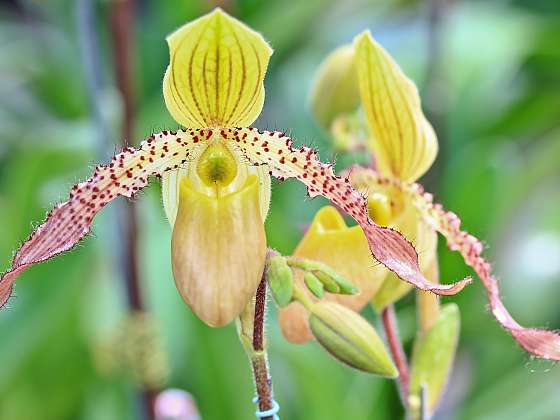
column 218, row 250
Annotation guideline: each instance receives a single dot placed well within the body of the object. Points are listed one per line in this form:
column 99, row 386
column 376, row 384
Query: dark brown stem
column 122, row 28
column 263, row 384
column 395, row 346
column 259, row 362
column 260, row 308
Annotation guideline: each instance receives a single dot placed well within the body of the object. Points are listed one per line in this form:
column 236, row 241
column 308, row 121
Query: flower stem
column 252, row 334
column 395, row 346
column 260, row 308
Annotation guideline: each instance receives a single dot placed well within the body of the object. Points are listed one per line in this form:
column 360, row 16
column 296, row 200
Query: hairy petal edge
column 539, row 342
column 125, row 175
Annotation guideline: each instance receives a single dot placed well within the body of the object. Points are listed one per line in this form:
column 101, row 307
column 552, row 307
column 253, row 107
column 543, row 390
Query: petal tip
column 452, row 289
column 541, row 343
column 365, row 34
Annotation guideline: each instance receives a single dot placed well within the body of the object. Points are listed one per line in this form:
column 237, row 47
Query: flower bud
column 432, row 358
column 350, row 339
column 335, row 90
column 330, row 285
column 280, row 280
column 344, row 286
column 314, row 284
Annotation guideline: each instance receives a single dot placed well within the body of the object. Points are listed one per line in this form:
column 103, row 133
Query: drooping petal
column 127, row 173
column 216, row 71
column 539, row 342
column 218, row 250
column 403, row 141
column 344, row 249
column 275, row 150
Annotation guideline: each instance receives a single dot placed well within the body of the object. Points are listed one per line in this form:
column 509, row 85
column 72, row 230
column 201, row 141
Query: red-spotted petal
column 127, row 173
column 387, row 245
column 541, row 343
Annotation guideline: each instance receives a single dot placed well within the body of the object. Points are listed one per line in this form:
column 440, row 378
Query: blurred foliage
column 498, row 119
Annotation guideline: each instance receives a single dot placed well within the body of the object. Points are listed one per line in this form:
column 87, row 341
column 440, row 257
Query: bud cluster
column 343, row 333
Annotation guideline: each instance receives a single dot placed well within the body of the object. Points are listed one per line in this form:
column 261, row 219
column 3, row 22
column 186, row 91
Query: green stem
column 301, row 297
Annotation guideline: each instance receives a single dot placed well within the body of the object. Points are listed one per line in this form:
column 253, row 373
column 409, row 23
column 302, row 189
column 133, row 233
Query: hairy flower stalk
column 214, row 83
column 251, row 331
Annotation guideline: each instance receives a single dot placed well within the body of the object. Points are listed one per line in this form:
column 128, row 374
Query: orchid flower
column 216, row 178
column 404, row 146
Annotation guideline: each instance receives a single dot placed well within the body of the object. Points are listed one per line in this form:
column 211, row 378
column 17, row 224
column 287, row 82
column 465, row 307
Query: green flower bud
column 350, row 339
column 344, row 285
column 280, row 280
column 332, row 280
column 432, row 359
column 313, row 284
column 328, row 282
column 335, row 90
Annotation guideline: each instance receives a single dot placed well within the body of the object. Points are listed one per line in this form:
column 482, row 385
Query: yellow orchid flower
column 216, row 178
column 404, row 146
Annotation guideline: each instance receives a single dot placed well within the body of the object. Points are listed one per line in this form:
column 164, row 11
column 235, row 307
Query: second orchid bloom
column 403, row 146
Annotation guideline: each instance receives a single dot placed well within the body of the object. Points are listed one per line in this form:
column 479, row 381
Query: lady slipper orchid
column 216, row 178
column 404, row 146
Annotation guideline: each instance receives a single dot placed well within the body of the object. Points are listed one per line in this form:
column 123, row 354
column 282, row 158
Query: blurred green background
column 489, row 73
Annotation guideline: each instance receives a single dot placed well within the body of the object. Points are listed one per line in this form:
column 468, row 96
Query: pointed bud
column 328, row 282
column 314, row 284
column 335, row 90
column 345, row 287
column 432, row 358
column 331, row 279
column 350, row 339
column 280, row 280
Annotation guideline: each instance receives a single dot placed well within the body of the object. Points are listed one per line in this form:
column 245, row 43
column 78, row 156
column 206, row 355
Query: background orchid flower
column 404, row 146
column 216, row 178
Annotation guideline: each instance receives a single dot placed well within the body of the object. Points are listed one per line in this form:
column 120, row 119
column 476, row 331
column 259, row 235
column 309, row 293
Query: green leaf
column 432, row 359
